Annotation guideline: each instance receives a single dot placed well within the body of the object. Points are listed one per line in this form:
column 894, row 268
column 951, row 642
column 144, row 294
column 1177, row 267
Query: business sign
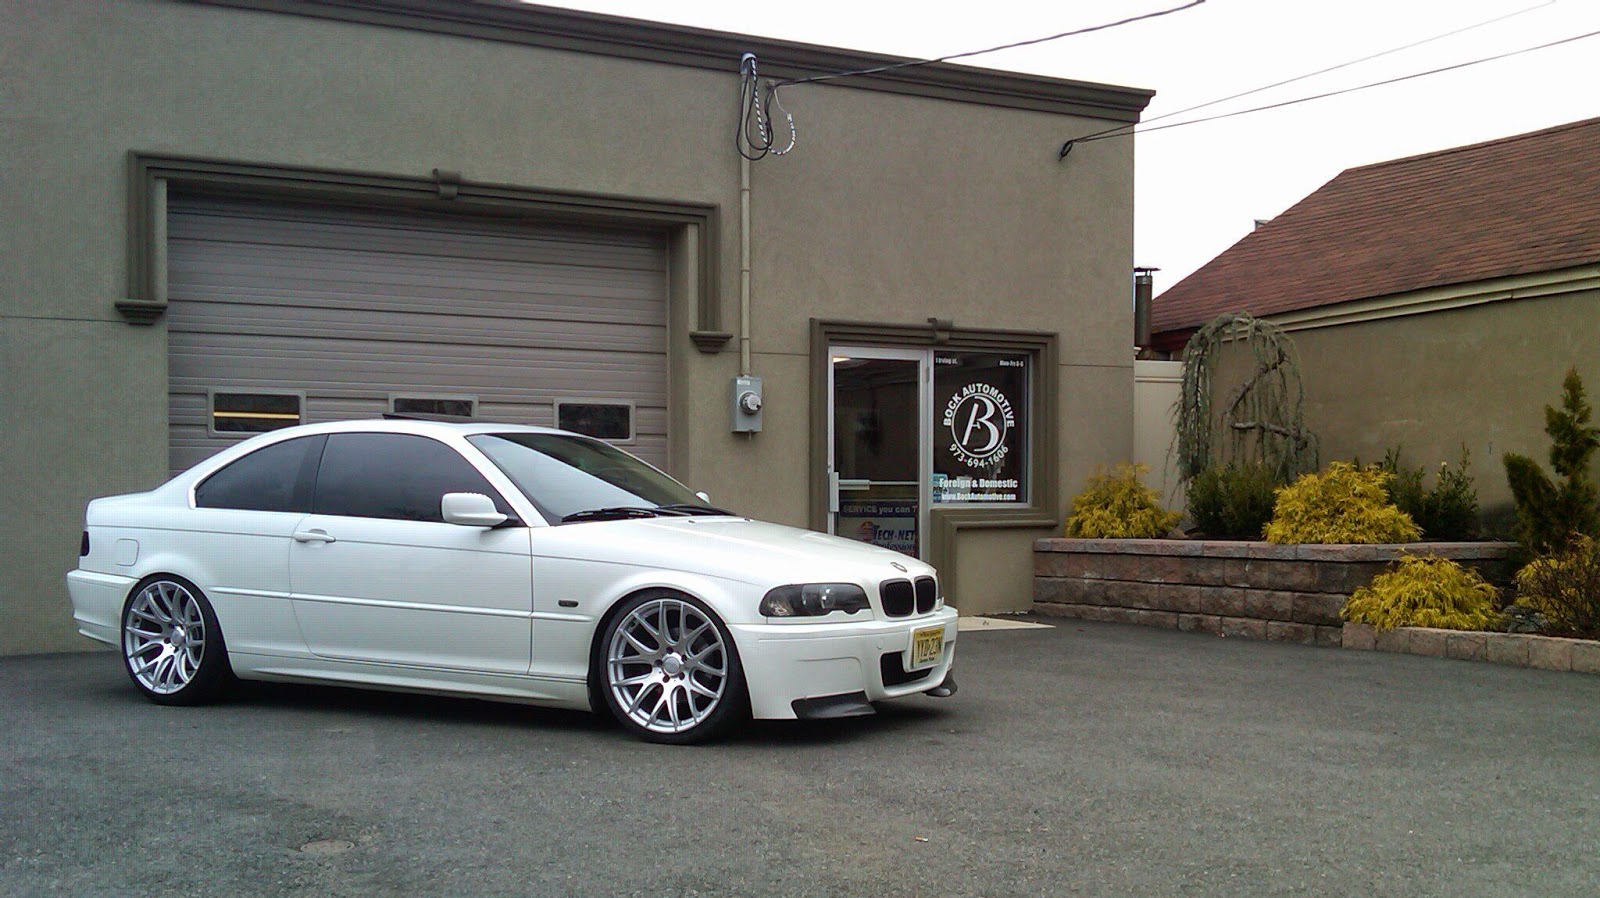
column 980, row 437
column 890, row 524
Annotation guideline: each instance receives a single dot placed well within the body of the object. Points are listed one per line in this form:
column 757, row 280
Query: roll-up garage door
column 282, row 312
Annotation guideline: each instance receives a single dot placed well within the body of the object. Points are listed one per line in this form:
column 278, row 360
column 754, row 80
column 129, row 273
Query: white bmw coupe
column 504, row 562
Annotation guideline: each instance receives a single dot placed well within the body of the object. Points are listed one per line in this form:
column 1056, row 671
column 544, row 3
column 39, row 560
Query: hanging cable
column 1333, row 68
column 753, row 136
column 1067, row 147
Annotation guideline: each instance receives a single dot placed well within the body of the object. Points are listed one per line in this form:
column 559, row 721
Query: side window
column 394, row 475
column 276, row 478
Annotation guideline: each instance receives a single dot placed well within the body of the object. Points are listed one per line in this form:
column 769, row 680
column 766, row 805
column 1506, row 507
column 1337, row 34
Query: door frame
column 1043, row 510
column 924, row 360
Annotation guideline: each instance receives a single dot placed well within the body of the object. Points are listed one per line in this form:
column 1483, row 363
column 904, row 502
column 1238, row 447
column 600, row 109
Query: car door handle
column 313, row 536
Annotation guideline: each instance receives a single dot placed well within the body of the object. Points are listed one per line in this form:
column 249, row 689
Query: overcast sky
column 1201, row 187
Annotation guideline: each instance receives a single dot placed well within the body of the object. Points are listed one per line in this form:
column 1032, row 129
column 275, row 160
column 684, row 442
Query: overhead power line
column 754, row 138
column 1323, row 71
column 1067, row 147
column 1011, row 46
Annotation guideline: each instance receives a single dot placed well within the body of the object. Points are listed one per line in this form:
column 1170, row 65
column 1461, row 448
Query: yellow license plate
column 927, row 647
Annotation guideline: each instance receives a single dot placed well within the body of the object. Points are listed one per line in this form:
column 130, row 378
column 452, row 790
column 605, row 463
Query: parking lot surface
column 1086, row 759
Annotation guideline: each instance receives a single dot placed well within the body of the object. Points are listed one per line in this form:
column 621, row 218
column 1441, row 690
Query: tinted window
column 393, row 475
column 594, row 419
column 276, row 478
column 452, row 406
column 564, row 474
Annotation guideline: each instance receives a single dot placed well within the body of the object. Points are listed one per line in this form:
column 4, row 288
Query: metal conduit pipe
column 744, row 265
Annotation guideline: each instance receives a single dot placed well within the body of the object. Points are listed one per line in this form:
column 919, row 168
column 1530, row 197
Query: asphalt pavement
column 1086, row 759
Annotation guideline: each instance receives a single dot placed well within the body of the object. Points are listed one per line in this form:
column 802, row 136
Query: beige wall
column 891, row 209
column 1477, row 376
column 1157, row 388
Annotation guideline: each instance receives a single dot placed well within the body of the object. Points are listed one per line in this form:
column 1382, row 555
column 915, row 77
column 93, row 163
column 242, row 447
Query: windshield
column 564, row 475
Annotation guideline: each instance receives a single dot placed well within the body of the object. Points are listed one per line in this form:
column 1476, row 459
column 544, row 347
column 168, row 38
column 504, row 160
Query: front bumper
column 789, row 662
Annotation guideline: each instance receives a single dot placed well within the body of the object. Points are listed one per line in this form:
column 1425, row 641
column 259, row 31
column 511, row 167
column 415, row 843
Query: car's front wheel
column 171, row 645
column 669, row 670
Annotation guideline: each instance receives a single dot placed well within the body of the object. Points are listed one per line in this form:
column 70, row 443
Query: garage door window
column 398, row 476
column 239, row 412
column 609, row 421
column 450, row 406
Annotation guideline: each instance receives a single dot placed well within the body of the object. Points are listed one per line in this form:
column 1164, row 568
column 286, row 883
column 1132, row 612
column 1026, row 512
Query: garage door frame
column 692, row 231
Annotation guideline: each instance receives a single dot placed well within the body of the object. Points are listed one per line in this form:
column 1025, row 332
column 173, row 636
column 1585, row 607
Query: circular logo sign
column 980, row 418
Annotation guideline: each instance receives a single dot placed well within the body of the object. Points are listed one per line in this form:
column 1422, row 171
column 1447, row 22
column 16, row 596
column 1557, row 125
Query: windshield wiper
column 692, row 509
column 610, row 514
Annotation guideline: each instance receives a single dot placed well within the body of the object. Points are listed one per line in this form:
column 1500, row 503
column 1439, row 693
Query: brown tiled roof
column 1512, row 206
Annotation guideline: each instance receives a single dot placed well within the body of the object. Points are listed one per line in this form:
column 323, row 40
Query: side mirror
column 470, row 510
column 704, row 497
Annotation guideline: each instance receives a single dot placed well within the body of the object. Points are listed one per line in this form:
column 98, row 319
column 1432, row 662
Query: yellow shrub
column 1117, row 506
column 1424, row 592
column 1346, row 504
column 1565, row 587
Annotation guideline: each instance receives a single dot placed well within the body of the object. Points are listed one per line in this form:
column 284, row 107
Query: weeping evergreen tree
column 1261, row 421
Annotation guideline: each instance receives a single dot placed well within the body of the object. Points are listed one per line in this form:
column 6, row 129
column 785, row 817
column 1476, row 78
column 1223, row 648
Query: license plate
column 927, row 647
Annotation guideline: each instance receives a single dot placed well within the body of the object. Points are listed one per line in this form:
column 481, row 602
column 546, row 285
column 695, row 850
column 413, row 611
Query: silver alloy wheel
column 667, row 666
column 164, row 637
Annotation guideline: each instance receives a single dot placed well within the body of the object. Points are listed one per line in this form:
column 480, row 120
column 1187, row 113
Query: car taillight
column 83, row 548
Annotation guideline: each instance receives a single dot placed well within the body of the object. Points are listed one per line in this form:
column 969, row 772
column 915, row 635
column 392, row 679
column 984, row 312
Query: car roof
column 420, row 426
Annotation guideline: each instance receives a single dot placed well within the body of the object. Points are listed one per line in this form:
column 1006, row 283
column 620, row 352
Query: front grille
column 898, row 596
column 894, row 670
column 927, row 594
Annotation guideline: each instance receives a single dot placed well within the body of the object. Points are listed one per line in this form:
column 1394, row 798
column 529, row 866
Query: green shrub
column 1234, row 502
column 1116, row 505
column 1550, row 513
column 1565, row 588
column 1424, row 592
column 1347, row 504
column 1449, row 511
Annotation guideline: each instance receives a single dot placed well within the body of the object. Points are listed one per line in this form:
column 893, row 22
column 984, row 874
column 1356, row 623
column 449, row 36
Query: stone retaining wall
column 1250, row 589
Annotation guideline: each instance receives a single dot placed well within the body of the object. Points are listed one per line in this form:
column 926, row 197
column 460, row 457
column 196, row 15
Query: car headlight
column 813, row 599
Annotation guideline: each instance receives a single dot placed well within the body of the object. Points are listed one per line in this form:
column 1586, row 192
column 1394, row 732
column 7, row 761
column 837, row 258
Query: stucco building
column 228, row 216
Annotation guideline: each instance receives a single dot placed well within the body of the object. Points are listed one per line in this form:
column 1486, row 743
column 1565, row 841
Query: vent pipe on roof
column 1143, row 283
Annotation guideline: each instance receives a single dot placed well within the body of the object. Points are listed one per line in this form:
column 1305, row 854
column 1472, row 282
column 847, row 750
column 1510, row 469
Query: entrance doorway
column 878, row 446
column 911, row 429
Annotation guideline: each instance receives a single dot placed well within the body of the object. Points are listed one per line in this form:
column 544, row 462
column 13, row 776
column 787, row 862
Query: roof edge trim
column 1440, row 299
column 571, row 30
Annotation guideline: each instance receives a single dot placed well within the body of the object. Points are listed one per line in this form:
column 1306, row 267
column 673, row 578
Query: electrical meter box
column 747, row 404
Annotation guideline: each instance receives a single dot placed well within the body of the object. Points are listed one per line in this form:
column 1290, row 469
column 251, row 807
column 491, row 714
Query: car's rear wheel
column 171, row 645
column 669, row 670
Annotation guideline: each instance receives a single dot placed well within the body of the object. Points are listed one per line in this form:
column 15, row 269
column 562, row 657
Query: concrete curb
column 1514, row 649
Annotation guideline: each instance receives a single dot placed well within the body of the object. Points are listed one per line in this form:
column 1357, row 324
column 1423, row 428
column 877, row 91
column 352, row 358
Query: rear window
column 273, row 478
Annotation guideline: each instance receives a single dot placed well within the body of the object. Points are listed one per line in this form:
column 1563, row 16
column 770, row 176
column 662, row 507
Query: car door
column 241, row 522
column 378, row 576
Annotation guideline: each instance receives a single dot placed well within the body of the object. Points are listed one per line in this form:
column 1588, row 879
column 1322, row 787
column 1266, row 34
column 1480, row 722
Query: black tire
column 162, row 653
column 680, row 668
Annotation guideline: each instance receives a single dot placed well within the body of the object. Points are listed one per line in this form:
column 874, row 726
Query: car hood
column 735, row 548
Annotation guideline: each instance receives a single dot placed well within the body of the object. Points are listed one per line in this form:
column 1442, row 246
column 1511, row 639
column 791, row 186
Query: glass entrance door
column 878, row 457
